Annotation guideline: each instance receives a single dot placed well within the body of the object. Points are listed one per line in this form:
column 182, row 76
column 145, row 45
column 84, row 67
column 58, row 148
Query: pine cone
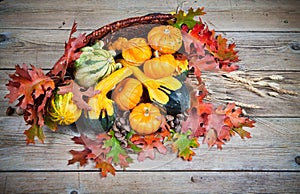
column 121, row 127
column 175, row 121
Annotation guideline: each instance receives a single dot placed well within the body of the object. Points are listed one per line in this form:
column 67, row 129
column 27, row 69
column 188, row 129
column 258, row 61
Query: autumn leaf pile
column 204, row 50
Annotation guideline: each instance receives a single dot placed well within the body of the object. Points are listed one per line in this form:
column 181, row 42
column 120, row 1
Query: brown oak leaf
column 79, row 156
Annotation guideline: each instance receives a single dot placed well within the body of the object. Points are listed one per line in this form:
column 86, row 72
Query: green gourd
column 94, row 64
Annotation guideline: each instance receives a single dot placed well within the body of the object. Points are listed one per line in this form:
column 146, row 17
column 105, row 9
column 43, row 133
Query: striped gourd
column 62, row 109
column 94, row 64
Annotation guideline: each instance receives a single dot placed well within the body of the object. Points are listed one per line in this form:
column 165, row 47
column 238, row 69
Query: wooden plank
column 274, row 146
column 221, row 91
column 39, row 182
column 225, row 15
column 256, row 50
column 152, row 182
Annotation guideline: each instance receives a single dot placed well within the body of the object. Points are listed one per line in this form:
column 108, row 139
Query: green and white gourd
column 94, row 64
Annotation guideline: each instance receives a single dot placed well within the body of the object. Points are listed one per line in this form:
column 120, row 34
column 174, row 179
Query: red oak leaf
column 79, row 156
column 206, row 63
column 217, row 131
column 204, row 35
column 71, row 53
column 224, row 54
column 95, row 146
column 197, row 91
column 192, row 45
column 78, row 93
column 193, row 123
column 95, row 150
column 148, row 143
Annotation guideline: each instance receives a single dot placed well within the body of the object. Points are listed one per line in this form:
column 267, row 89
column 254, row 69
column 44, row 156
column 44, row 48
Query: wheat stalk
column 255, row 85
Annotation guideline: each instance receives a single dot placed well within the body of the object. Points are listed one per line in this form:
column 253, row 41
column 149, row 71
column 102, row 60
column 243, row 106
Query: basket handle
column 154, row 18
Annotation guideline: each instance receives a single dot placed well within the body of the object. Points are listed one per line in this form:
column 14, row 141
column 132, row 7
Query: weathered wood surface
column 43, row 48
column 151, row 182
column 267, row 34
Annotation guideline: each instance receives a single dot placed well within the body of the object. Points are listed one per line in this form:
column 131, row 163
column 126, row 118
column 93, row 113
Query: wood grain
column 151, row 182
column 256, row 50
column 222, row 15
column 274, row 146
column 267, row 35
column 222, row 90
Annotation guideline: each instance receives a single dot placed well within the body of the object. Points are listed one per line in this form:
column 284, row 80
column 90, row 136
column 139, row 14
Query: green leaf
column 243, row 133
column 183, row 145
column 117, row 153
column 34, row 131
column 188, row 19
column 52, row 125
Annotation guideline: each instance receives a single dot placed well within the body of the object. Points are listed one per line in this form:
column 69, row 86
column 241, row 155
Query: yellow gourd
column 100, row 102
column 62, row 109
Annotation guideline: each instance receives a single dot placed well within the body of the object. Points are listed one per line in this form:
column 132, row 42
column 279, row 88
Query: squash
column 166, row 39
column 127, row 94
column 158, row 89
column 94, row 64
column 100, row 102
column 136, row 51
column 62, row 109
column 160, row 67
column 179, row 101
column 104, row 122
column 145, row 118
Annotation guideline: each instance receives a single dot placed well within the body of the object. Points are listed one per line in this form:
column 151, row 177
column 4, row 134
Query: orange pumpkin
column 136, row 51
column 160, row 67
column 145, row 118
column 166, row 39
column 127, row 94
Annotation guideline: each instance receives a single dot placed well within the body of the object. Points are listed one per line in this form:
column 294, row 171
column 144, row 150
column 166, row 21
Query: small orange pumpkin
column 127, row 94
column 160, row 67
column 145, row 118
column 166, row 39
column 136, row 51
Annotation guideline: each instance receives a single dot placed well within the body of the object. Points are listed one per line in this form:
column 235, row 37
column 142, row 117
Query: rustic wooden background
column 267, row 34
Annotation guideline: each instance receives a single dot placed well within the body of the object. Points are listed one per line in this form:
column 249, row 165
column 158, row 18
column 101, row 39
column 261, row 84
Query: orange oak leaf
column 235, row 116
column 33, row 89
column 148, row 143
column 105, row 168
column 28, row 85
